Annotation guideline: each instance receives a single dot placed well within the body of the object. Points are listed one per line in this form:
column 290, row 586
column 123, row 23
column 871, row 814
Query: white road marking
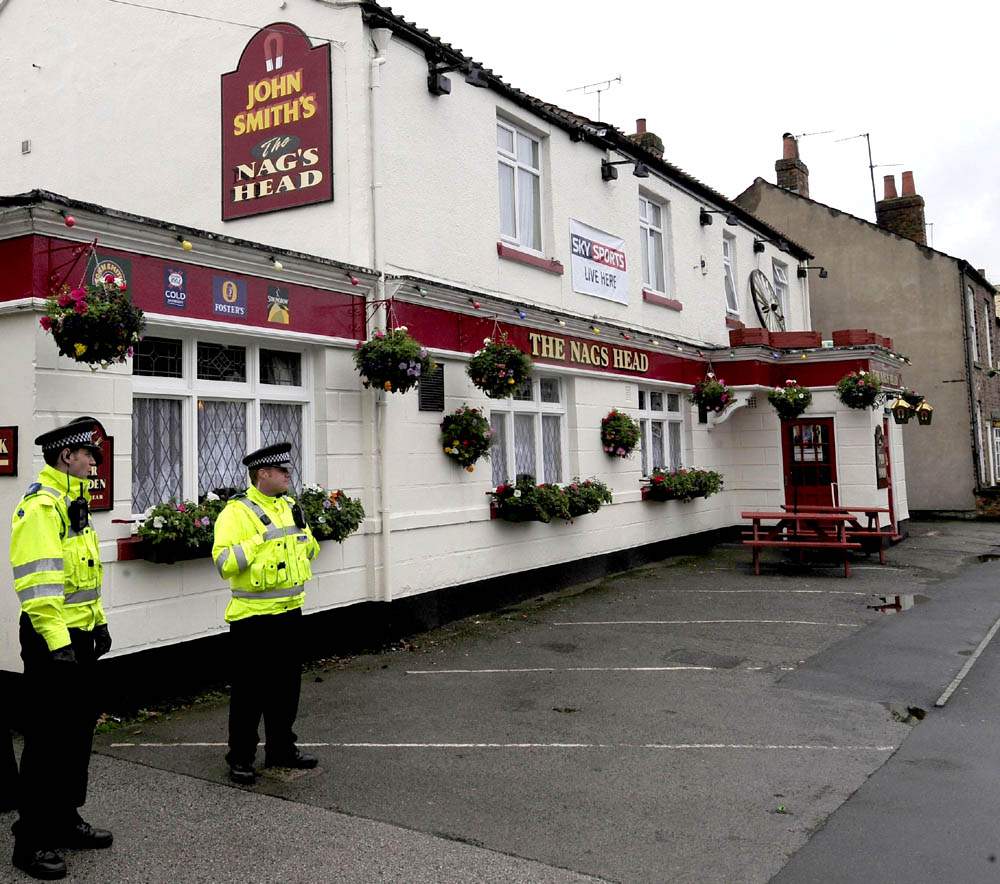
column 567, row 669
column 695, row 622
column 964, row 671
column 796, row 747
column 753, row 591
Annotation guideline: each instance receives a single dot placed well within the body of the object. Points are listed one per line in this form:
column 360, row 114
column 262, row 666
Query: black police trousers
column 266, row 676
column 60, row 711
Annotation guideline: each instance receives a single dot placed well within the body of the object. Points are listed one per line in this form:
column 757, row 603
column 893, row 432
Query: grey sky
column 720, row 81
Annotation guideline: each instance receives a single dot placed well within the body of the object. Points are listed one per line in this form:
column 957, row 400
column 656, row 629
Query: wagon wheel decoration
column 766, row 302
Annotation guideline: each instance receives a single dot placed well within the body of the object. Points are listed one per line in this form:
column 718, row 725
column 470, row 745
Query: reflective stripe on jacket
column 57, row 570
column 262, row 553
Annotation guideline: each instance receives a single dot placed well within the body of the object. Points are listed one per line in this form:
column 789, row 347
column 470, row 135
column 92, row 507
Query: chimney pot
column 908, row 188
column 789, row 147
column 793, row 174
column 640, row 125
column 890, row 186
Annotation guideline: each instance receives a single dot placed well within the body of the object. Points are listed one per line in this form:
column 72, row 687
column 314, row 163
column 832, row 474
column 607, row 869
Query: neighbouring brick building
column 941, row 312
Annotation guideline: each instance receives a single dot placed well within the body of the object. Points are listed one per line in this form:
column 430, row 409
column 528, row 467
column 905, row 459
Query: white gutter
column 380, row 39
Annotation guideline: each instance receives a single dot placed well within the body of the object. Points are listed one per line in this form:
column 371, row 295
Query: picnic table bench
column 800, row 530
column 870, row 535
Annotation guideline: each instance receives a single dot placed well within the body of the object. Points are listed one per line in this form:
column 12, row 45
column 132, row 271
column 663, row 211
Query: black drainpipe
column 973, row 405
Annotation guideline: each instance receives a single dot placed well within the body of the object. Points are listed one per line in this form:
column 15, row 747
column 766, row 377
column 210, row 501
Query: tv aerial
column 597, row 88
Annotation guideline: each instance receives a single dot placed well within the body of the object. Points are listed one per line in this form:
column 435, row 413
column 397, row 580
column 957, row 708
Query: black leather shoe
column 45, row 865
column 243, row 774
column 83, row 836
column 297, row 760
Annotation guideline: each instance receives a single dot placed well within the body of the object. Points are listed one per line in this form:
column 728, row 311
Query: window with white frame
column 200, row 403
column 529, row 432
column 980, row 448
column 519, row 167
column 781, row 285
column 729, row 269
column 661, row 426
column 995, row 432
column 654, row 232
column 987, row 325
column 970, row 313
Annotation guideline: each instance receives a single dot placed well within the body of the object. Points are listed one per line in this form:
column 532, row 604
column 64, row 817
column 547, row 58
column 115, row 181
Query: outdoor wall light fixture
column 925, row 412
column 275, row 263
column 68, row 219
column 439, row 84
column 901, row 411
column 521, row 314
column 803, row 272
column 185, row 243
column 610, row 173
column 475, row 304
column 758, row 245
column 705, row 217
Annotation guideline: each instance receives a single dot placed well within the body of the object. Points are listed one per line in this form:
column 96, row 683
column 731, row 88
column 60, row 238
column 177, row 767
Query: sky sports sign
column 597, row 263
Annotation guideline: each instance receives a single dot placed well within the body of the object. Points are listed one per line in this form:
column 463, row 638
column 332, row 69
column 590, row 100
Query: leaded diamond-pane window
column 158, row 358
column 524, row 444
column 549, row 389
column 217, row 362
column 551, row 447
column 523, row 392
column 277, row 367
column 156, row 452
column 498, row 448
column 222, row 445
column 283, row 423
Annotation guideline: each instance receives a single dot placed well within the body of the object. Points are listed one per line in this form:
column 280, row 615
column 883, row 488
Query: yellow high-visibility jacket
column 262, row 553
column 57, row 570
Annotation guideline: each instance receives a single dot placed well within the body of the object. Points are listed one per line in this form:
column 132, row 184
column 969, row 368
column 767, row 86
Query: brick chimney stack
column 903, row 214
column 793, row 174
column 649, row 140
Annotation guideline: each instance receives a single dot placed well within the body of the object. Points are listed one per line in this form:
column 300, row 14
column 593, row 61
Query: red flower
column 45, row 323
column 466, row 443
column 122, row 286
column 181, row 508
column 657, row 479
column 78, row 294
column 64, row 299
column 109, row 277
column 80, row 307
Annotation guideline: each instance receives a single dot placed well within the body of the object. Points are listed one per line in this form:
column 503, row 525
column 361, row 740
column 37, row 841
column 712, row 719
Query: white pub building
column 274, row 190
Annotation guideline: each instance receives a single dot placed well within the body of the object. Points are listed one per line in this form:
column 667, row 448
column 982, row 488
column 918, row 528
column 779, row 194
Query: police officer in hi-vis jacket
column 57, row 577
column 264, row 548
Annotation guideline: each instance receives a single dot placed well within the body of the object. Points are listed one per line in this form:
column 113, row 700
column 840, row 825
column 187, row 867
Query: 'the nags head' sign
column 276, row 125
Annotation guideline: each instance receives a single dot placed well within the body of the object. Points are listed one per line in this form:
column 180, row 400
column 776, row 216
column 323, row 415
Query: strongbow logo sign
column 276, row 125
column 598, row 263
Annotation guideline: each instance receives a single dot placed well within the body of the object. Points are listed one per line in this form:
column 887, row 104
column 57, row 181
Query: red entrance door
column 810, row 461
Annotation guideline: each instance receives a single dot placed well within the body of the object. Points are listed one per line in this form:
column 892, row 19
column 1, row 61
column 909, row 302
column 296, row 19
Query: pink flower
column 64, row 299
column 45, row 323
column 78, row 294
column 181, row 508
column 80, row 307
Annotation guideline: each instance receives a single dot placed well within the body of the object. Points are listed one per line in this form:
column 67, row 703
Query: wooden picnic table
column 871, row 533
column 800, row 531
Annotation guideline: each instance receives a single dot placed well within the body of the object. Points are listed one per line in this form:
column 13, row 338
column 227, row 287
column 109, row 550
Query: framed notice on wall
column 8, row 451
column 277, row 142
column 597, row 262
column 102, row 478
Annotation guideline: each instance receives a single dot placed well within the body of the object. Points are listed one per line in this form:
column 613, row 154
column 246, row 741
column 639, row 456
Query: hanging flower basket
column 499, row 368
column 790, row 400
column 94, row 324
column 681, row 484
column 859, row 389
column 393, row 361
column 619, row 433
column 711, row 394
column 524, row 501
column 466, row 436
column 587, row 496
column 330, row 514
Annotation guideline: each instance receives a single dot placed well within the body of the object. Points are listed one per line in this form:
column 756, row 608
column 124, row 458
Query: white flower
column 487, row 342
column 402, row 328
column 862, row 372
column 212, row 496
column 710, row 375
column 517, row 492
column 158, row 522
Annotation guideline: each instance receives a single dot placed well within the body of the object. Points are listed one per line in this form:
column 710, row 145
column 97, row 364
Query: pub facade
column 343, row 172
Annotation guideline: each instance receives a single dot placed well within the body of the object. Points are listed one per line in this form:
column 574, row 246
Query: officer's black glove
column 102, row 640
column 63, row 656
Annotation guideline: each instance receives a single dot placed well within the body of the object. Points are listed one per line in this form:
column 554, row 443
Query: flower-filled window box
column 94, row 324
column 859, row 389
column 790, row 400
column 526, row 501
column 681, row 484
column 499, row 368
column 392, row 361
column 587, row 496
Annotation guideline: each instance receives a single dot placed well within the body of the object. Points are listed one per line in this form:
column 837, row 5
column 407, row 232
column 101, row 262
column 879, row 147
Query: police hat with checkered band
column 84, row 432
column 269, row 456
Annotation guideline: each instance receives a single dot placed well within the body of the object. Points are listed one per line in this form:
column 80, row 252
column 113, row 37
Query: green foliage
column 499, row 368
column 711, row 393
column 524, row 501
column 619, row 433
column 587, row 496
column 331, row 515
column 393, row 361
column 465, row 436
column 859, row 389
column 683, row 484
column 94, row 324
column 180, row 524
column 790, row 400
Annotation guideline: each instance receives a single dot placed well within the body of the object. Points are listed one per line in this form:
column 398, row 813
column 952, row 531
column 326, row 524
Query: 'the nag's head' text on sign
column 560, row 349
column 276, row 125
